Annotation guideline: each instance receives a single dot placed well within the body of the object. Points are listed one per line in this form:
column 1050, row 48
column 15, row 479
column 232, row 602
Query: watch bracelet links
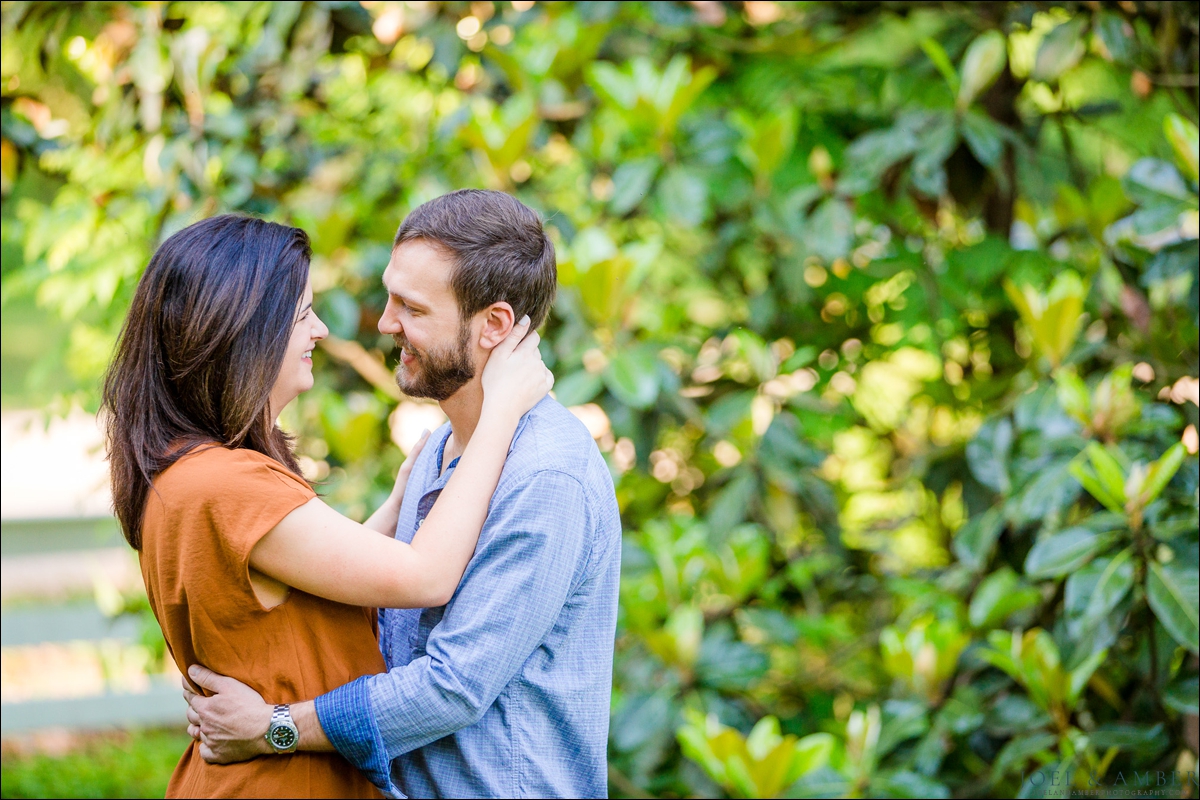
column 281, row 715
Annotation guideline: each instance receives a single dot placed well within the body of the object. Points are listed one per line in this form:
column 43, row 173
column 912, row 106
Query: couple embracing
column 493, row 563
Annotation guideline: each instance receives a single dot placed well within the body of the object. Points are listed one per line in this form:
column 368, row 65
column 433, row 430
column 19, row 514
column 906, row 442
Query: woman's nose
column 320, row 329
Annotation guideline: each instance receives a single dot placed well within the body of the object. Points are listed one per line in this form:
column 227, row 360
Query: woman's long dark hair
column 200, row 351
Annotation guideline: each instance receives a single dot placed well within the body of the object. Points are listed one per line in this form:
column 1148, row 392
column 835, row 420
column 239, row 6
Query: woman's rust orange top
column 203, row 517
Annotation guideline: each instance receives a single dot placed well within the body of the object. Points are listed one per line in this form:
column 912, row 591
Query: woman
column 246, row 570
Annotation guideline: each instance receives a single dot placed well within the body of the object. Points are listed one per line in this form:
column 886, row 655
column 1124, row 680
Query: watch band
column 282, row 733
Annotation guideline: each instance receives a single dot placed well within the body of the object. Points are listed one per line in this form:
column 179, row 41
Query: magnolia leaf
column 1172, row 593
column 1073, row 394
column 1117, row 35
column 998, row 596
column 1082, row 674
column 1183, row 695
column 632, row 377
column 1062, row 552
column 1096, row 589
column 631, row 184
column 578, row 388
column 981, row 65
column 1060, row 50
column 984, row 136
column 1160, row 473
column 937, row 54
column 1156, row 183
column 974, row 541
column 988, row 454
column 1109, row 471
column 1182, row 135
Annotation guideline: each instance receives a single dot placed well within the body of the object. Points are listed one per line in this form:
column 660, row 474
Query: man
column 503, row 692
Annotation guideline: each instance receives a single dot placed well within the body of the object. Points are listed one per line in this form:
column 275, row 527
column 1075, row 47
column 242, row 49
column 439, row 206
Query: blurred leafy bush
column 884, row 315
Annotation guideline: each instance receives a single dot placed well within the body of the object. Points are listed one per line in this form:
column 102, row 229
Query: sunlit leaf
column 1060, row 50
column 1184, row 140
column 1174, row 593
column 983, row 62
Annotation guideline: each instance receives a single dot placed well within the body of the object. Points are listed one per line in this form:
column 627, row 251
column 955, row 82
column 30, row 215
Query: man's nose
column 389, row 321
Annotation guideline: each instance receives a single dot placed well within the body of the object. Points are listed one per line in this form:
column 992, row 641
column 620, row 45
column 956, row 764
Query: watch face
column 283, row 737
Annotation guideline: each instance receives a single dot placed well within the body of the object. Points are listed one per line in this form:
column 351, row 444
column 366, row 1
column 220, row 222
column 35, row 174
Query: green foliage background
column 889, row 308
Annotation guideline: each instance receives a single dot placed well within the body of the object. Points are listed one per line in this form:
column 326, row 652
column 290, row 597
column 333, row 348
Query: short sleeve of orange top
column 204, row 516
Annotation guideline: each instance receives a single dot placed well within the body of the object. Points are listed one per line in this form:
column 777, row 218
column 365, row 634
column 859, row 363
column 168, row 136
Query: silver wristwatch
column 282, row 734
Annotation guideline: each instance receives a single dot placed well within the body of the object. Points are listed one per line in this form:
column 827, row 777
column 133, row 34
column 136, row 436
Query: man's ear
column 498, row 321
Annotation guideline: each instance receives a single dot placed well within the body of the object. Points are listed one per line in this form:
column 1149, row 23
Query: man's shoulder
column 553, row 440
column 554, row 437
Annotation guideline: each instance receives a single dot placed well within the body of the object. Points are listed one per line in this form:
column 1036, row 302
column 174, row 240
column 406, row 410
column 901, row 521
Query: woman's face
column 295, row 376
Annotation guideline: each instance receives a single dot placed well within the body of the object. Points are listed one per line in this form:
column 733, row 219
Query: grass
column 135, row 764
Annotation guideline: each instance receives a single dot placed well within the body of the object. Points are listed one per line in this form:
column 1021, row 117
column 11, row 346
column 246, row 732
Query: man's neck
column 463, row 409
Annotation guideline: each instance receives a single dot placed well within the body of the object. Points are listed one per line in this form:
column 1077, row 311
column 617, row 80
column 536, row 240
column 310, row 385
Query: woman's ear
column 498, row 322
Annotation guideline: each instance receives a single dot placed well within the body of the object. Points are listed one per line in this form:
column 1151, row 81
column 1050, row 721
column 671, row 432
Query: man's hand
column 231, row 725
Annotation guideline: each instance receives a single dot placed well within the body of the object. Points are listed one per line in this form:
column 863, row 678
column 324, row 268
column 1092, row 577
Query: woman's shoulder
column 227, row 470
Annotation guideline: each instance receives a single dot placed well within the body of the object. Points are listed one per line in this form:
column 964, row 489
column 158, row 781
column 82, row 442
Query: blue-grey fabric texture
column 503, row 692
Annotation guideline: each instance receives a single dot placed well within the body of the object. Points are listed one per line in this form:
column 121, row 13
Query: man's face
column 422, row 317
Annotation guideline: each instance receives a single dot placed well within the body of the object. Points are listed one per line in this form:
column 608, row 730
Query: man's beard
column 442, row 372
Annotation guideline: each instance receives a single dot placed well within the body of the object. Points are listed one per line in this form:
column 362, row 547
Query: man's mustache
column 405, row 345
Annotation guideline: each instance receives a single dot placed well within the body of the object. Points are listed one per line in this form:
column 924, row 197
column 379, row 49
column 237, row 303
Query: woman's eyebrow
column 300, row 313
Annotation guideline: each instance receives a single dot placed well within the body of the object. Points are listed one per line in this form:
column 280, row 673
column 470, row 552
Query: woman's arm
column 385, row 517
column 317, row 550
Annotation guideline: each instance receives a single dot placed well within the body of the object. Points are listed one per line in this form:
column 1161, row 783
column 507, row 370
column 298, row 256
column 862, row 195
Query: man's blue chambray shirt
column 504, row 692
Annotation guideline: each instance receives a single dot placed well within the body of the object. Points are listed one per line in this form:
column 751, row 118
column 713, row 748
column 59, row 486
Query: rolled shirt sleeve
column 531, row 552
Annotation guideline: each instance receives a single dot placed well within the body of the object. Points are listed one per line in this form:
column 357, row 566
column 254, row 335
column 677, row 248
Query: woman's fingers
column 530, row 342
column 515, row 336
column 411, row 458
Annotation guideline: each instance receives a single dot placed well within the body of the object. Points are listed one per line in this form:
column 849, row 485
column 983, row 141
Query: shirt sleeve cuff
column 346, row 716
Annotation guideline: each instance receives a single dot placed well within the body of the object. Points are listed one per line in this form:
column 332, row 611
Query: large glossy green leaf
column 907, row 784
column 937, row 54
column 831, row 229
column 631, row 183
column 1063, row 552
column 641, row 718
column 1095, row 589
column 1020, row 749
column 684, row 196
column 975, row 540
column 1145, row 740
column 1060, row 50
column 983, row 62
column 1184, row 140
column 984, row 136
column 1172, row 591
column 1183, row 695
column 1051, row 492
column 1108, row 469
column 578, row 388
column 1159, row 474
column 726, row 663
column 988, row 454
column 998, row 596
column 1155, row 183
column 928, row 166
column 1117, row 35
column 632, row 376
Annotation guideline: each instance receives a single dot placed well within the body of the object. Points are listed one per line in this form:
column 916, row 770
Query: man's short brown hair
column 500, row 251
